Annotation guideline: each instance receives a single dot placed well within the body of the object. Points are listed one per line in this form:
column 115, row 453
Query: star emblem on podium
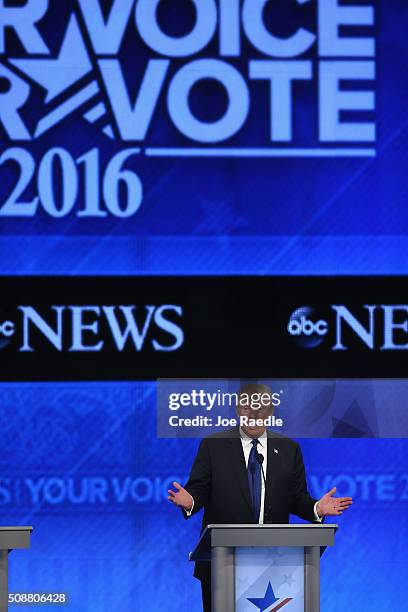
column 264, row 603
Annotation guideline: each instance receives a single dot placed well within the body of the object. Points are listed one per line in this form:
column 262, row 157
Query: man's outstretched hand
column 181, row 497
column 333, row 506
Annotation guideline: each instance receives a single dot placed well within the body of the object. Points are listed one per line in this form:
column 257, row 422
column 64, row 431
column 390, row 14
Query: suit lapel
column 271, row 469
column 238, row 463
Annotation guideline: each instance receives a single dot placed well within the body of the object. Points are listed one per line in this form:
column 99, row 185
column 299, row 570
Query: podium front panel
column 266, row 577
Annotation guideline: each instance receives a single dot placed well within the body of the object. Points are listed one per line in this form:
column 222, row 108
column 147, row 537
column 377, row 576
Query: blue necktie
column 255, row 480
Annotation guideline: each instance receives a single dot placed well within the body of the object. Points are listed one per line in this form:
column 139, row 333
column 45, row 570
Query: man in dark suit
column 227, row 481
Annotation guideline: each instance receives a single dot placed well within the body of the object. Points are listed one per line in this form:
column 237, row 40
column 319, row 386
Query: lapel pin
column 275, row 450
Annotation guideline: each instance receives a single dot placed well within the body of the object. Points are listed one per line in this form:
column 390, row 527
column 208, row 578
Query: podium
column 10, row 538
column 264, row 567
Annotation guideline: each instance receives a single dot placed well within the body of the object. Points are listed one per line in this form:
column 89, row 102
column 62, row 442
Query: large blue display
column 188, row 143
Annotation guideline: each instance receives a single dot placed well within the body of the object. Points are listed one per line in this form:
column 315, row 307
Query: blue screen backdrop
column 82, row 464
column 213, row 215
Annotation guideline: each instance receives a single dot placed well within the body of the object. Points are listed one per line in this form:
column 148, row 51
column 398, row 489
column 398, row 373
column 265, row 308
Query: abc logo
column 305, row 329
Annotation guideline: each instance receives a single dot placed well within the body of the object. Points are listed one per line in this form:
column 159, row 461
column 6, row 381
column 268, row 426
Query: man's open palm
column 333, row 506
column 180, row 497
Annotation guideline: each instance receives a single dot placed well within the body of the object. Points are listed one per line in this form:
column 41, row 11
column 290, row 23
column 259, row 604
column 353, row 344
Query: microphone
column 260, row 460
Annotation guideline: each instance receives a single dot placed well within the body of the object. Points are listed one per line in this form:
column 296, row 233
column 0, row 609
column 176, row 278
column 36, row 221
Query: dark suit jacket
column 219, row 483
